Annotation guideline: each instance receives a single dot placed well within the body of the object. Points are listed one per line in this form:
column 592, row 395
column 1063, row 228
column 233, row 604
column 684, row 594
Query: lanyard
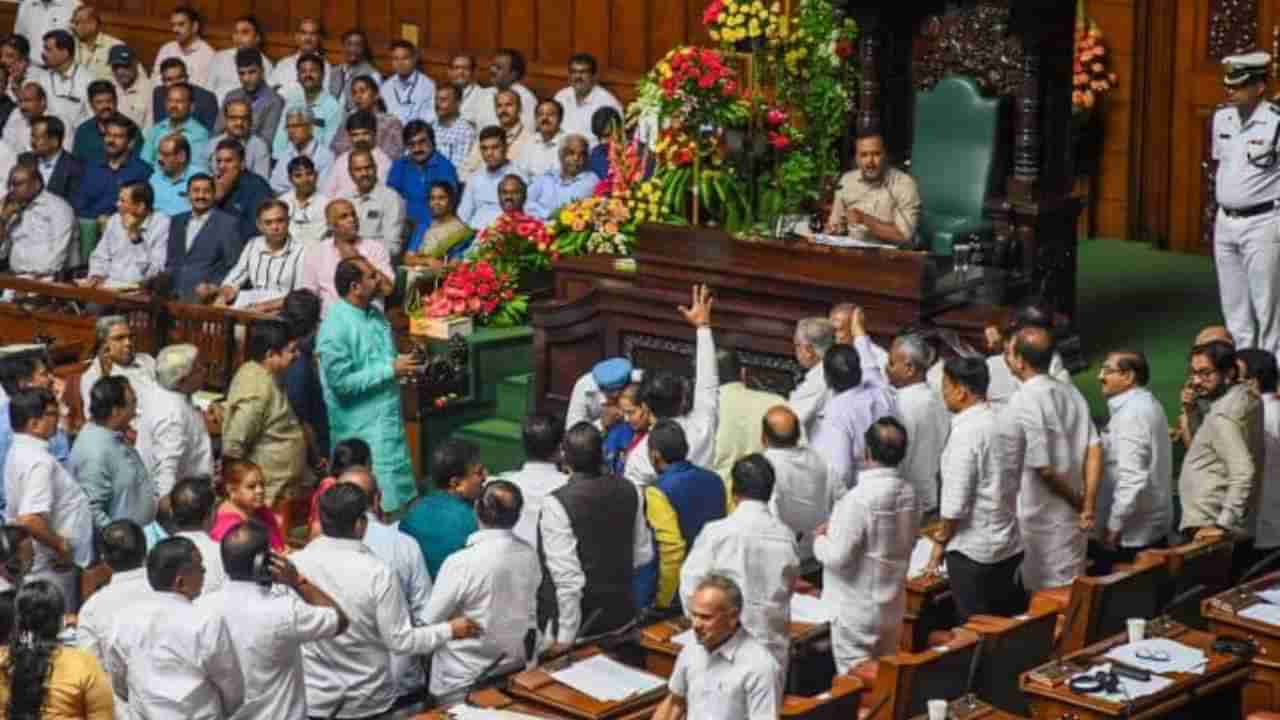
column 407, row 100
column 71, row 85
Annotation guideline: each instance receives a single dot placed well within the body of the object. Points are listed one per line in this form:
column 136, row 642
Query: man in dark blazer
column 204, row 104
column 61, row 171
column 204, row 244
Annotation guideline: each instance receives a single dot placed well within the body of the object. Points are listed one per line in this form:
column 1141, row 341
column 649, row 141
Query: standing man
column 454, row 133
column 978, row 533
column 803, row 494
column 857, row 402
column 877, row 196
column 202, row 245
column 408, row 94
column 173, row 438
column 814, row 337
column 344, row 242
column 754, row 549
column 310, row 41
column 1135, row 503
column 124, row 549
column 1246, row 149
column 742, row 409
column 108, row 468
column 584, row 96
column 865, row 550
column 727, row 673
column 299, row 126
column 19, row 371
column 259, row 425
column 114, row 356
column 133, row 87
column 1054, row 445
column 187, row 46
column 381, row 209
column 539, row 476
column 361, row 368
column 922, row 413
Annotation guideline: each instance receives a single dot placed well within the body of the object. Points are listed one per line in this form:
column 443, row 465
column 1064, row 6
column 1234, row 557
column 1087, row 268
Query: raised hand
column 699, row 315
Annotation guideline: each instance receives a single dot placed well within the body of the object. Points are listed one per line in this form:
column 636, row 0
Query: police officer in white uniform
column 1246, row 131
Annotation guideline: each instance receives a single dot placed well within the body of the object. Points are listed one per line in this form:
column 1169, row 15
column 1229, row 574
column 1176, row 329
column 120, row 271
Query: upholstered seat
column 953, row 159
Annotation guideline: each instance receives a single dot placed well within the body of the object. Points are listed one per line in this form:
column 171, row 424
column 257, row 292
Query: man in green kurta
column 359, row 368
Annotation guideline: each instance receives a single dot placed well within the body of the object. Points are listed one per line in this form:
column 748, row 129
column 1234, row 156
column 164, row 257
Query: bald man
column 343, row 241
column 403, row 555
column 804, row 491
column 1055, row 446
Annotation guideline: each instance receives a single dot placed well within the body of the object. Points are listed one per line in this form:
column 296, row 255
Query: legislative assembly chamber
column 623, row 359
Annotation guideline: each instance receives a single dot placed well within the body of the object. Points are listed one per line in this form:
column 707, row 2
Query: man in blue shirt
column 18, row 371
column 176, row 170
column 89, row 142
column 557, row 188
column 239, row 191
column 442, row 520
column 96, row 198
column 479, row 206
column 326, row 111
column 299, row 128
column 413, row 174
column 179, row 120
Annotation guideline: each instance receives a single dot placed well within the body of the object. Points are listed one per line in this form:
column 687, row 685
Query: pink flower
column 473, row 304
column 730, row 88
column 527, row 228
column 712, row 13
column 776, row 117
column 779, row 141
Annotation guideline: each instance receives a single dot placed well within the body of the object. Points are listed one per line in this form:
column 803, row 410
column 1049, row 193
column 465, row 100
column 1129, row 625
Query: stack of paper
column 606, row 679
column 1271, row 595
column 1262, row 612
column 1130, row 689
column 920, row 555
column 469, row 712
column 1182, row 658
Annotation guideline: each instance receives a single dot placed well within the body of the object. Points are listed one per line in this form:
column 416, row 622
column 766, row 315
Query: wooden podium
column 602, row 309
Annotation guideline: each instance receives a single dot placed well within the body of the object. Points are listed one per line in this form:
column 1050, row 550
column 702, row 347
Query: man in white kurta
column 538, row 477
column 1053, row 442
column 173, row 439
column 923, row 413
column 803, row 493
column 814, row 336
column 754, row 549
column 125, row 549
column 494, row 581
column 865, row 550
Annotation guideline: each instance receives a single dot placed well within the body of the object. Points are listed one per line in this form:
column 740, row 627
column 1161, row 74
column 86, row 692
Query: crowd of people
column 222, row 171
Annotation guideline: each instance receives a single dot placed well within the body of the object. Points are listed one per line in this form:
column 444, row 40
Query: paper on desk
column 809, row 609
column 920, row 555
column 606, row 679
column 1271, row 595
column 1130, row 689
column 1262, row 612
column 685, row 638
column 245, row 298
column 1182, row 658
column 469, row 712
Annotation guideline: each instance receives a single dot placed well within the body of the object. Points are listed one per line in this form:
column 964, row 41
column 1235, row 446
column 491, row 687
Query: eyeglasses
column 1109, row 370
column 1204, row 372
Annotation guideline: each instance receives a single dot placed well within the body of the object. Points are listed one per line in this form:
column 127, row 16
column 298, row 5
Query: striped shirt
column 267, row 269
column 454, row 140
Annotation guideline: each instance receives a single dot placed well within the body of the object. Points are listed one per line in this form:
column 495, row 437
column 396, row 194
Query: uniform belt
column 1251, row 210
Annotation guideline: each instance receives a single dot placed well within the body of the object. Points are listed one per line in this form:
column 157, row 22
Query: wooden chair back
column 1010, row 647
column 1205, row 565
column 838, row 703
column 909, row 680
column 1100, row 605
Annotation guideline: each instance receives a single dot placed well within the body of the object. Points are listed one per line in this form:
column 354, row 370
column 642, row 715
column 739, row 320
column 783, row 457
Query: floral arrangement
column 593, row 225
column 735, row 21
column 480, row 291
column 696, row 88
column 516, row 243
column 1091, row 79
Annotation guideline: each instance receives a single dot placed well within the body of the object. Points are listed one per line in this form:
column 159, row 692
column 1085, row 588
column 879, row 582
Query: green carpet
column 1132, row 296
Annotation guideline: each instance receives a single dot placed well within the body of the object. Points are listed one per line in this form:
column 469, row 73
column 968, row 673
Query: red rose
column 730, row 88
column 473, row 304
column 779, row 141
column 526, row 229
column 844, row 49
column 712, row 13
column 776, row 117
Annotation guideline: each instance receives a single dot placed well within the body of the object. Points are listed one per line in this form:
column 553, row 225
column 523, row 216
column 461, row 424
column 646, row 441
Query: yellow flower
column 714, row 35
column 753, row 29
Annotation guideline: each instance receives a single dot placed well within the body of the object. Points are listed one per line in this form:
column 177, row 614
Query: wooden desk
column 660, row 653
column 1262, row 692
column 960, row 710
column 929, row 608
column 1225, row 673
column 539, row 687
column 493, row 699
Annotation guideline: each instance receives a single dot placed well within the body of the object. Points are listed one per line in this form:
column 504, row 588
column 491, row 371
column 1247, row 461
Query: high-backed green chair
column 954, row 153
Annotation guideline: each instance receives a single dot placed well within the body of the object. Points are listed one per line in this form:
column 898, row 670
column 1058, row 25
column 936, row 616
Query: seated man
column 102, row 180
column 177, row 120
column 238, row 191
column 381, row 209
column 174, row 171
column 479, row 206
column 877, row 196
column 246, row 38
column 413, row 175
column 33, row 102
column 236, row 123
column 306, row 206
column 362, row 127
column 203, row 244
column 682, row 500
column 267, row 107
column 173, row 71
column 36, row 226
column 271, row 262
column 344, row 241
column 584, row 97
column 88, row 140
column 61, row 171
column 133, row 88
column 302, row 142
column 134, row 247
column 542, row 155
column 571, row 181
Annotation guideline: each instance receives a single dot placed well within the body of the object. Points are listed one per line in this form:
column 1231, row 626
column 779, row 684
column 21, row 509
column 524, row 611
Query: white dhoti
column 865, row 633
column 1054, row 556
column 1246, row 252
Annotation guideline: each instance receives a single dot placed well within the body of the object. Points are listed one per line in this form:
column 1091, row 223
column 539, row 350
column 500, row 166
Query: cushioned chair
column 954, row 155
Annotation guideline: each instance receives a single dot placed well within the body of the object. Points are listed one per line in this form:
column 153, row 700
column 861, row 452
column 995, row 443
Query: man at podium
column 875, row 201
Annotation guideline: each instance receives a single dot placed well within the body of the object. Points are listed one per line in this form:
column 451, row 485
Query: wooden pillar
column 869, row 47
column 1024, row 182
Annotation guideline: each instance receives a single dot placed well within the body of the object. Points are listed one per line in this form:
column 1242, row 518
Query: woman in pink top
column 246, row 500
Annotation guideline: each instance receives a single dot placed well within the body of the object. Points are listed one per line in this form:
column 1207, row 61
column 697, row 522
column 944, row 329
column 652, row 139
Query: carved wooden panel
column 777, row 374
column 974, row 41
column 1232, row 25
column 1208, row 180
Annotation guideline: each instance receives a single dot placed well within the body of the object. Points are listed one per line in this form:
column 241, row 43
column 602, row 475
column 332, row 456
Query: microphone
column 530, row 648
column 1162, row 622
column 586, row 624
column 973, row 669
column 483, row 677
column 1259, row 566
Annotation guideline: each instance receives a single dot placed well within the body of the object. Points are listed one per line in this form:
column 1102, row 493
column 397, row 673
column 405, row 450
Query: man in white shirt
column 133, row 87
column 36, row 226
column 310, row 40
column 170, row 657
column 517, row 135
column 814, row 336
column 803, row 493
column 662, row 397
column 306, row 206
column 757, row 551
column 538, row 477
column 172, row 436
column 1135, row 502
column 135, row 245
column 381, row 209
column 193, row 508
column 506, row 71
column 408, row 94
column 224, row 76
column 33, row 102
column 37, row 17
column 865, row 550
column 124, row 549
column 474, row 101
column 1004, row 383
column 114, row 355
column 584, row 96
column 66, row 82
column 479, row 205
column 979, row 529
column 1053, row 443
column 187, row 46
column 272, row 611
column 298, row 120
column 494, row 580
column 542, row 154
column 353, row 669
column 727, row 674
column 43, row 497
column 923, row 415
column 593, row 535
